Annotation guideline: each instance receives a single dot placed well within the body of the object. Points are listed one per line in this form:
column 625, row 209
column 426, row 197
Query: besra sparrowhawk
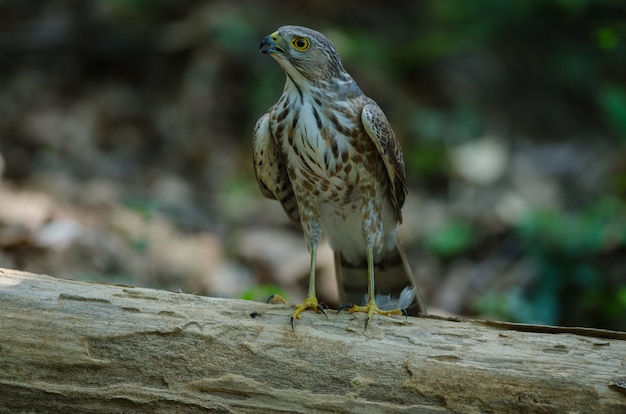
column 328, row 154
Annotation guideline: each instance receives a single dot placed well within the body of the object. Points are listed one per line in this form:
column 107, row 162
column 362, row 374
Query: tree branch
column 69, row 346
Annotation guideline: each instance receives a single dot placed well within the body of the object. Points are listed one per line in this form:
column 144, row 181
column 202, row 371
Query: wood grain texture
column 69, row 346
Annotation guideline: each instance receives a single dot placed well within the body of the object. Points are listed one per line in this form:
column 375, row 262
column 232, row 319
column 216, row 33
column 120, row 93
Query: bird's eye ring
column 301, row 44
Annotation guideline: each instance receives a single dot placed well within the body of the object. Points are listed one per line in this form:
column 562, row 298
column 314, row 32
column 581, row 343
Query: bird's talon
column 345, row 306
column 370, row 309
column 309, row 303
column 275, row 299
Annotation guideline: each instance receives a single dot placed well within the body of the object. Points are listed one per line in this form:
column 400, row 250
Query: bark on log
column 69, row 346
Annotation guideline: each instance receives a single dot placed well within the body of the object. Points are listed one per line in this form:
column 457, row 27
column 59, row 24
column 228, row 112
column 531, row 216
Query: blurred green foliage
column 612, row 101
column 260, row 293
column 573, row 284
column 451, row 240
column 596, row 229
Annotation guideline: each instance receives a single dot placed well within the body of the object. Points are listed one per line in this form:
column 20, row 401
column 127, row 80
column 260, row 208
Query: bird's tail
column 392, row 275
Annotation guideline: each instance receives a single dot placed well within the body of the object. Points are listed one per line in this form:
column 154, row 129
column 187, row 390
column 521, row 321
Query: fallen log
column 70, row 346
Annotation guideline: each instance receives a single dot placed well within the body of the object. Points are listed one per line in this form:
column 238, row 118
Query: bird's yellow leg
column 311, row 299
column 370, row 307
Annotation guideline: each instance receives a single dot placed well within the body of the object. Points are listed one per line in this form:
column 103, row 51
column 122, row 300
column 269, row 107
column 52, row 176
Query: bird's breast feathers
column 311, row 141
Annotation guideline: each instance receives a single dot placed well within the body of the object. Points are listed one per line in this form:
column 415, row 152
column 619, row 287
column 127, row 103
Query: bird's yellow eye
column 301, row 44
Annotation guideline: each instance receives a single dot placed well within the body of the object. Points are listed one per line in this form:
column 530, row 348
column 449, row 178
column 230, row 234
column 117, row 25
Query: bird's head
column 303, row 53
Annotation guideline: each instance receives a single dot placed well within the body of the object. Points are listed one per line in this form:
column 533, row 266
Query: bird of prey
column 327, row 153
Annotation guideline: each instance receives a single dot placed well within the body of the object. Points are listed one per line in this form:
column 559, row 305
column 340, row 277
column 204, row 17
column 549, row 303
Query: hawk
column 327, row 153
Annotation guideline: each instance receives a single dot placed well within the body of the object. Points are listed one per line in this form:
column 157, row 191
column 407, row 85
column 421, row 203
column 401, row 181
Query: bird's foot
column 276, row 299
column 309, row 303
column 371, row 308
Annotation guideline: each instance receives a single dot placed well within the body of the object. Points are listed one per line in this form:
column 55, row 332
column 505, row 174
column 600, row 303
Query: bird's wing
column 270, row 169
column 380, row 132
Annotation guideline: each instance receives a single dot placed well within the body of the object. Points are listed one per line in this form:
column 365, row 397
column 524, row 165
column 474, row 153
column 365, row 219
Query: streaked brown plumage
column 327, row 153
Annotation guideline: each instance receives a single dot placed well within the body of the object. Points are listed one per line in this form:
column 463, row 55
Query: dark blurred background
column 125, row 146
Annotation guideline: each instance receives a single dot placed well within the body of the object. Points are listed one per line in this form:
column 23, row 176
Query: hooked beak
column 268, row 45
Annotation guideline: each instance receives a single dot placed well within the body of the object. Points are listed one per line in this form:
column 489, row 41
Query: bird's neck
column 336, row 89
